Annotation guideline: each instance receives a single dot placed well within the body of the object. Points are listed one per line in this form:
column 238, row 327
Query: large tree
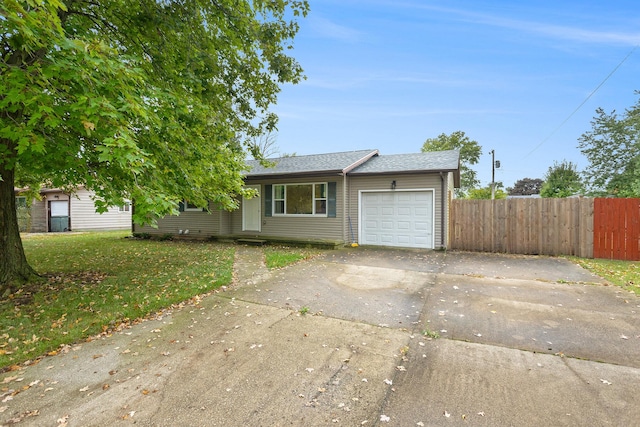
column 470, row 152
column 525, row 187
column 150, row 100
column 562, row 180
column 613, row 150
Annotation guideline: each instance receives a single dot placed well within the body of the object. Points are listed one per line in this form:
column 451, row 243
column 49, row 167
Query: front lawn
column 96, row 281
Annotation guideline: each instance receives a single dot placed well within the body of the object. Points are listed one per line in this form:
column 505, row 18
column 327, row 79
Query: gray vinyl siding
column 403, row 182
column 199, row 223
column 38, row 216
column 85, row 218
column 303, row 227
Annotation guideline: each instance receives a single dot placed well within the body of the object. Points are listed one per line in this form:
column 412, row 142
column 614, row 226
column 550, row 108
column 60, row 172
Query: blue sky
column 390, row 74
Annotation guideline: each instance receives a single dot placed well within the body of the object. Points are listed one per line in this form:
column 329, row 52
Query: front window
column 300, row 199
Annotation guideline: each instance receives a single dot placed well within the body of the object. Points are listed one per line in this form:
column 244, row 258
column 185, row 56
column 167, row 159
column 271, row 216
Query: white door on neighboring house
column 58, row 215
column 252, row 211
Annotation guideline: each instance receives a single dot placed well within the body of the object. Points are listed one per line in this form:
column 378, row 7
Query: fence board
column 616, row 229
column 524, row 226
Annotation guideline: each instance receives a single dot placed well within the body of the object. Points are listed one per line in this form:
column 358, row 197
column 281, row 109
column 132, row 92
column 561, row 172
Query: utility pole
column 493, row 174
column 494, row 164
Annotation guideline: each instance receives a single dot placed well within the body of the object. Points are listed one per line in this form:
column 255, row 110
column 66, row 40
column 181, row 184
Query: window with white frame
column 187, row 206
column 125, row 207
column 300, row 199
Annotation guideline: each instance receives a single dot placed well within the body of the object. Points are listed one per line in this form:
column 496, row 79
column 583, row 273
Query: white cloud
column 329, row 29
column 554, row 31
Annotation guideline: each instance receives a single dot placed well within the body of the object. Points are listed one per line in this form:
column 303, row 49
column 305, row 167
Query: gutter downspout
column 344, row 208
column 442, row 212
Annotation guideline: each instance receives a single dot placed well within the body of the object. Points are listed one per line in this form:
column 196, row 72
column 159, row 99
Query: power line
column 583, row 102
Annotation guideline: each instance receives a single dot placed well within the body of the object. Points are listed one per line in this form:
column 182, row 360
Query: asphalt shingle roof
column 361, row 162
column 316, row 163
column 415, row 162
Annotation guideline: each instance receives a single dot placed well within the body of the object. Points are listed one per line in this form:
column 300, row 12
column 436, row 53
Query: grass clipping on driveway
column 94, row 282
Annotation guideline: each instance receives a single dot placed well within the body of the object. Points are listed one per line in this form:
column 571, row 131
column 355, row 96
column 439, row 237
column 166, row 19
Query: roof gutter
column 404, row 172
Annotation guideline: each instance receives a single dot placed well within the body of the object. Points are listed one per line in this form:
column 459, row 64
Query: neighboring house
column 351, row 197
column 60, row 211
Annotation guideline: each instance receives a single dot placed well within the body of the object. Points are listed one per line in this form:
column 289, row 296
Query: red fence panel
column 616, row 229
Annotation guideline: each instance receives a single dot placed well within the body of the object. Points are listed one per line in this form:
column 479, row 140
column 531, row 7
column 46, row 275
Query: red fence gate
column 616, row 229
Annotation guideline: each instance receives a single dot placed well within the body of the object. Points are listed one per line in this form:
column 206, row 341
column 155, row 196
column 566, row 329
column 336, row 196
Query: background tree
column 525, row 187
column 265, row 144
column 562, row 180
column 484, row 193
column 470, row 152
column 613, row 150
column 139, row 100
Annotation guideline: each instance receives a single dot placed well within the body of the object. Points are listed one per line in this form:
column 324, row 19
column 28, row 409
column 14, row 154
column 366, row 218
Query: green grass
column 625, row 274
column 281, row 256
column 97, row 281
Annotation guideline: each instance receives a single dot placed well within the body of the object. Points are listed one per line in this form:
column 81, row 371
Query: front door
column 251, row 211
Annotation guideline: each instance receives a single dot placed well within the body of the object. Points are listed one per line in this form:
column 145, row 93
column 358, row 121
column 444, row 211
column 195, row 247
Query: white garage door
column 397, row 218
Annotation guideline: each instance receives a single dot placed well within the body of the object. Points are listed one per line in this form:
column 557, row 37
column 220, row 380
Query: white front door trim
column 252, row 211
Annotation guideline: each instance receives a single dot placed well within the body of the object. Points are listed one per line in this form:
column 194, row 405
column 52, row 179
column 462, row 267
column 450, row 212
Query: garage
column 397, row 218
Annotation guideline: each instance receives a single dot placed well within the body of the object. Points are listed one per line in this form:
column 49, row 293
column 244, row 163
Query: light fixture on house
column 393, row 184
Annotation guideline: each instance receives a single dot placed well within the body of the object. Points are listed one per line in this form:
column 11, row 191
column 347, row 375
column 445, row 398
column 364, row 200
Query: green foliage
column 431, row 334
column 470, row 152
column 525, row 187
column 562, row 180
column 303, row 310
column 485, row 192
column 142, row 100
column 94, row 282
column 151, row 101
column 612, row 147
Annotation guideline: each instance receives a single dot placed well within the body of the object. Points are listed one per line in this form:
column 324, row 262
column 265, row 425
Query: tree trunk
column 15, row 271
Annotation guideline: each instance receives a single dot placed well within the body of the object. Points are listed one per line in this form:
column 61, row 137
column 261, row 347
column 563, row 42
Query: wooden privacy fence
column 544, row 226
column 616, row 229
column 584, row 227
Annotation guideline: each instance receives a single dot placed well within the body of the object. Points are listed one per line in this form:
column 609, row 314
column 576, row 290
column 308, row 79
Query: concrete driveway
column 524, row 341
